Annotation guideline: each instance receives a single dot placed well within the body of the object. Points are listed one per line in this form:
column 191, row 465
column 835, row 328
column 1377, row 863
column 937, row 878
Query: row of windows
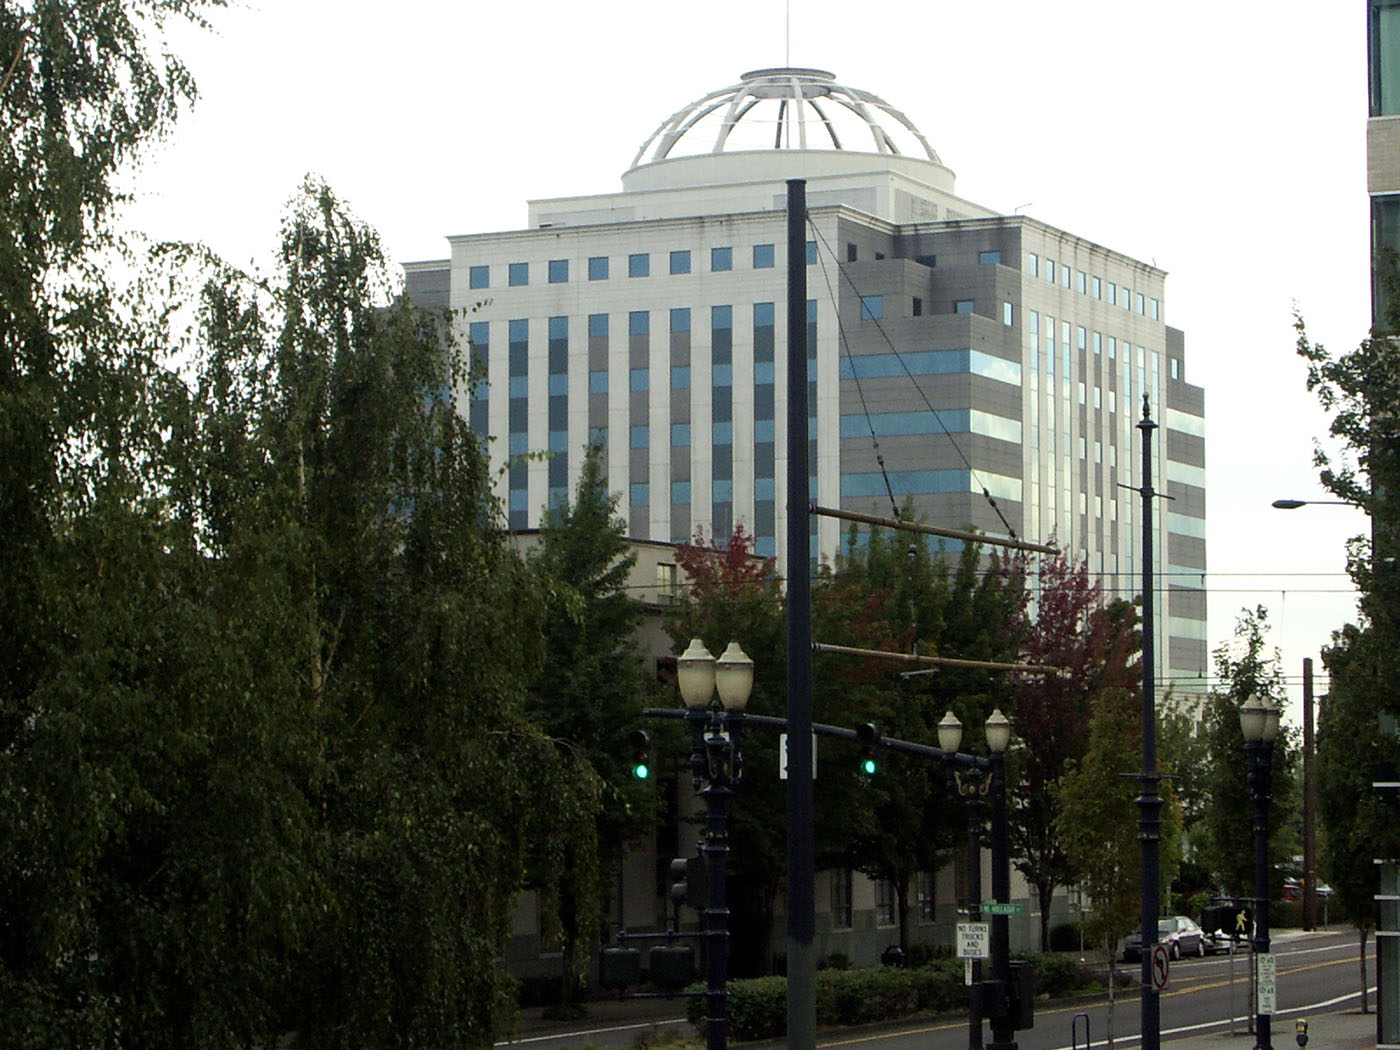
column 948, row 420
column 1086, row 284
column 931, row 362
column 599, row 268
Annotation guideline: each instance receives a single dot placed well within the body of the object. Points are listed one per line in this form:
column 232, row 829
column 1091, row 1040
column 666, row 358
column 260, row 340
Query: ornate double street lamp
column 715, row 693
column 1259, row 723
column 973, row 787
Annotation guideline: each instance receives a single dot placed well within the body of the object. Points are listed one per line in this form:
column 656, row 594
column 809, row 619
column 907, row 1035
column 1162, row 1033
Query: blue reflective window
column 519, row 386
column 598, row 382
column 519, row 330
column 721, row 317
column 723, row 375
column 639, row 322
column 723, row 434
column 763, row 315
column 963, row 306
column 558, row 385
column 763, row 372
column 811, row 253
column 680, row 319
column 558, row 440
column 518, row 274
column 598, row 268
column 763, row 488
column 680, row 377
column 680, row 262
column 872, row 307
column 680, row 435
column 723, row 491
column 988, row 258
column 640, row 437
column 598, row 325
column 479, row 277
column 640, row 495
column 763, row 430
column 721, row 259
column 519, row 443
column 680, row 492
column 519, row 499
column 558, row 328
column 558, row 271
column 478, row 332
column 762, row 256
column 639, row 265
column 640, row 379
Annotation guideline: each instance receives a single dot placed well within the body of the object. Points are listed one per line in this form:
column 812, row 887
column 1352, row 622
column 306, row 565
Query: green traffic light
column 868, row 766
column 640, row 771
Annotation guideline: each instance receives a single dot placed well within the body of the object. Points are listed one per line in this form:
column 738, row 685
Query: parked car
column 1180, row 934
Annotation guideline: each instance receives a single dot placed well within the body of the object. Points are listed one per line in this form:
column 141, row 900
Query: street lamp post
column 715, row 694
column 998, row 733
column 1259, row 723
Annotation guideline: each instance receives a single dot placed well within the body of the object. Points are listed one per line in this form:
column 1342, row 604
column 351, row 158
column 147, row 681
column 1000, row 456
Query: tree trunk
column 1110, row 948
column 1045, row 891
column 901, row 897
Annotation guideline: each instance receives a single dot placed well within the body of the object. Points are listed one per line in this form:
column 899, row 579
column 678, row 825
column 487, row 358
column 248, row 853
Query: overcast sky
column 1223, row 142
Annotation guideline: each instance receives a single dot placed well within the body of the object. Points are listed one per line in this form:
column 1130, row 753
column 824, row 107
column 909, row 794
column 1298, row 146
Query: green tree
column 1095, row 649
column 1245, row 669
column 1351, row 756
column 591, row 685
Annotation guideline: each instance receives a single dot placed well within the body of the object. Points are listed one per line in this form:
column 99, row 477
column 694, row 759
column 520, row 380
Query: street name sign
column 782, row 756
column 998, row 908
column 974, row 940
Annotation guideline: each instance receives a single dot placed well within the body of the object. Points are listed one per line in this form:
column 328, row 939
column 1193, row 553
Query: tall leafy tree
column 1245, row 668
column 591, row 684
column 1095, row 649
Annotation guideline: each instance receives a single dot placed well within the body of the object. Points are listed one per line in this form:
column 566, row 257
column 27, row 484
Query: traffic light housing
column 641, row 754
column 689, row 885
column 868, row 734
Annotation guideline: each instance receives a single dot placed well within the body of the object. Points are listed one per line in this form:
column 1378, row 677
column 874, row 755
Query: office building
column 995, row 365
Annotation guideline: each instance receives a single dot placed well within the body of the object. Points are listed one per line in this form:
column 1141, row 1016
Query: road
column 1316, row 972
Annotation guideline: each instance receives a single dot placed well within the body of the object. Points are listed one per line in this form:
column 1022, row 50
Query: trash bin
column 892, row 956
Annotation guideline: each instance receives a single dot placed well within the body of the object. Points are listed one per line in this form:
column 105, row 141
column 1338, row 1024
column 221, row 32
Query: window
column 680, row 377
column 598, row 268
column 918, row 307
column 1156, row 310
column 1082, row 337
column 1141, row 304
column 640, row 495
column 762, row 256
column 680, row 435
column 872, row 307
column 963, row 306
column 1050, row 270
column 850, row 253
column 479, row 277
column 884, row 903
column 640, row 379
column 680, row 262
column 811, row 253
column 926, row 900
column 1033, row 265
column 1098, row 342
column 1383, row 54
column 680, row 319
column 639, row 265
column 1080, row 281
column 639, row 322
column 1007, row 313
column 988, row 258
column 518, row 274
column 930, row 261
column 1176, row 368
column 841, row 898
column 598, row 325
column 640, row 437
column 680, row 493
column 558, row 271
column 1098, row 288
column 721, row 259
column 1064, row 276
column 598, row 381
column 1112, row 294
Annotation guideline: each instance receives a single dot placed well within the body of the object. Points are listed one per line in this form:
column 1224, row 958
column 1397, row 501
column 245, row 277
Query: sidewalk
column 1346, row 1030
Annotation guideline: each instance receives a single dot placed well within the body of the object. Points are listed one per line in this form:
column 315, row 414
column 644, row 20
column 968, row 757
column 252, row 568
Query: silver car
column 1180, row 934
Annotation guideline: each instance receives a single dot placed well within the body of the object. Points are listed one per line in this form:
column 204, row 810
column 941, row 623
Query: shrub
column 921, row 953
column 835, row 961
column 1064, row 937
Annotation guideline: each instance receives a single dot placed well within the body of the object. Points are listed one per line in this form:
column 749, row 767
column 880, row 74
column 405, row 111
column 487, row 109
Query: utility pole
column 1149, row 800
column 1309, row 804
column 801, row 849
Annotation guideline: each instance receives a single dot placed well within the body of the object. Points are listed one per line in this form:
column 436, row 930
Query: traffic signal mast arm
column 905, row 747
